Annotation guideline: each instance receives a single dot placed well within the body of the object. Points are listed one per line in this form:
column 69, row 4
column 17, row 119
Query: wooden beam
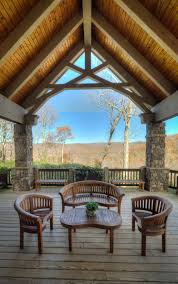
column 88, row 58
column 119, row 87
column 151, row 25
column 124, row 75
column 87, row 8
column 167, row 108
column 53, row 75
column 26, row 27
column 100, row 67
column 35, row 64
column 77, row 85
column 145, row 66
column 11, row 111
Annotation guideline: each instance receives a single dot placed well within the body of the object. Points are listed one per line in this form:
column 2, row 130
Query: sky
column 88, row 120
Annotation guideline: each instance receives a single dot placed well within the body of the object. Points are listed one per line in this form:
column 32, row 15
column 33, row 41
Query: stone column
column 22, row 175
column 156, row 174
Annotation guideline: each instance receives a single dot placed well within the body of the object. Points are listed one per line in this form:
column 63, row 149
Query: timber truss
column 127, row 85
column 162, row 106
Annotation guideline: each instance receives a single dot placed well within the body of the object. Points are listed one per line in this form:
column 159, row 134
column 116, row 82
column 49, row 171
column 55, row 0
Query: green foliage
column 92, row 206
column 6, row 166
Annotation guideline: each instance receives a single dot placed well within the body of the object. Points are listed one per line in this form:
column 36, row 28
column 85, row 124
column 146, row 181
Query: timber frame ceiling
column 137, row 40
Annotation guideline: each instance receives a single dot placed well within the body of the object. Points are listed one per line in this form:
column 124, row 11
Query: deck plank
column 90, row 262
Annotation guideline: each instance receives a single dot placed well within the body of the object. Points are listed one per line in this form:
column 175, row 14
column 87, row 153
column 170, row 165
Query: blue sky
column 89, row 122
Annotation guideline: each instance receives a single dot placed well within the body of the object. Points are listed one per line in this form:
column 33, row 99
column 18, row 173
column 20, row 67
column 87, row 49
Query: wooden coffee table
column 105, row 219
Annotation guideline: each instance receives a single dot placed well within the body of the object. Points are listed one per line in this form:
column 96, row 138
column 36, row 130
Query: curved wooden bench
column 150, row 213
column 34, row 210
column 79, row 193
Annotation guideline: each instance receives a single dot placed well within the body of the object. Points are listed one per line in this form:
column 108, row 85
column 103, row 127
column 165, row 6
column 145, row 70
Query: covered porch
column 41, row 40
column 90, row 262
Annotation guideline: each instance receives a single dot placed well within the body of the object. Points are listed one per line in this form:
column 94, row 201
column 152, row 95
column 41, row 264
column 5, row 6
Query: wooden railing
column 173, row 179
column 124, row 174
column 80, row 174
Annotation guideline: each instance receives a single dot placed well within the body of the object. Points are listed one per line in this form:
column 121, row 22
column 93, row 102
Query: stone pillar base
column 22, row 179
column 157, row 179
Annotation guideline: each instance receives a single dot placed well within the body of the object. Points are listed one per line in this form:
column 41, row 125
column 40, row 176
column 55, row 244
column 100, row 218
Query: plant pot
column 91, row 213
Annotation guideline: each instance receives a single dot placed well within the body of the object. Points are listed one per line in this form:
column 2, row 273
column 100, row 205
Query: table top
column 77, row 218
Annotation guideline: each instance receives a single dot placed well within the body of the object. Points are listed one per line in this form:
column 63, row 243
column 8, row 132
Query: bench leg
column 111, row 240
column 70, row 239
column 51, row 223
column 143, row 246
column 164, row 242
column 21, row 238
column 40, row 241
column 133, row 224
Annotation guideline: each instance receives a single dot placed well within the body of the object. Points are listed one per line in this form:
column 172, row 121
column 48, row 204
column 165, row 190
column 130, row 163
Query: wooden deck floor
column 90, row 262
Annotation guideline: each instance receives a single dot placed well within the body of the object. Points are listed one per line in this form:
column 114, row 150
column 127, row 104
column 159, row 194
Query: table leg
column 70, row 239
column 111, row 240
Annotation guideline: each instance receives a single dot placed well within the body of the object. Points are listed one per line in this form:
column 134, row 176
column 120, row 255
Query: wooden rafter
column 147, row 68
column 143, row 94
column 35, row 64
column 87, row 10
column 26, row 27
column 52, row 76
column 167, row 108
column 151, row 25
column 11, row 111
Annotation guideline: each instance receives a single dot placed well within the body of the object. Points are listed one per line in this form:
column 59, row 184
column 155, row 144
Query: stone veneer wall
column 22, row 175
column 156, row 174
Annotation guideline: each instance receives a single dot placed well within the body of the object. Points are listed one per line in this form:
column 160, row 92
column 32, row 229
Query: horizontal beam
column 52, row 76
column 11, row 111
column 26, row 27
column 124, row 75
column 151, row 26
column 145, row 66
column 167, row 108
column 21, row 79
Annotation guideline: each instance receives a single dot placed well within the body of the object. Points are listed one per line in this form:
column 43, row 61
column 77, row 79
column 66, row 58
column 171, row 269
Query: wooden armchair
column 150, row 213
column 34, row 210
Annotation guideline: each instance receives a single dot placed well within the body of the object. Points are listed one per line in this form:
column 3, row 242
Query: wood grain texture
column 37, row 40
column 127, row 63
column 48, row 65
column 90, row 261
column 142, row 41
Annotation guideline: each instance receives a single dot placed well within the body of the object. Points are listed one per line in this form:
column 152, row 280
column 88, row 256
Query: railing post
column 142, row 173
column 106, row 174
column 71, row 175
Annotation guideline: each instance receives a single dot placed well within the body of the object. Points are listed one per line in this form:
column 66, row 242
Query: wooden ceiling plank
column 147, row 68
column 26, row 27
column 43, row 55
column 167, row 108
column 11, row 111
column 53, row 75
column 151, row 25
column 87, row 10
column 124, row 75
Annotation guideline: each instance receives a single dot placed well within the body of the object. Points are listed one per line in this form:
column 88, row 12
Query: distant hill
column 90, row 154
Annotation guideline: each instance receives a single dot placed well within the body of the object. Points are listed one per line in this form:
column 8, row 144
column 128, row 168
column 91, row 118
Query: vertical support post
column 156, row 174
column 22, row 175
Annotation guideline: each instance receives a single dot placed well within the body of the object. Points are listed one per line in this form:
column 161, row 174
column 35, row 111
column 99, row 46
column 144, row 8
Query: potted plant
column 91, row 208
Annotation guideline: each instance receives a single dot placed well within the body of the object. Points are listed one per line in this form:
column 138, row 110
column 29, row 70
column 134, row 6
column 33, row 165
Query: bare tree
column 113, row 109
column 47, row 118
column 119, row 107
column 6, row 136
column 63, row 133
